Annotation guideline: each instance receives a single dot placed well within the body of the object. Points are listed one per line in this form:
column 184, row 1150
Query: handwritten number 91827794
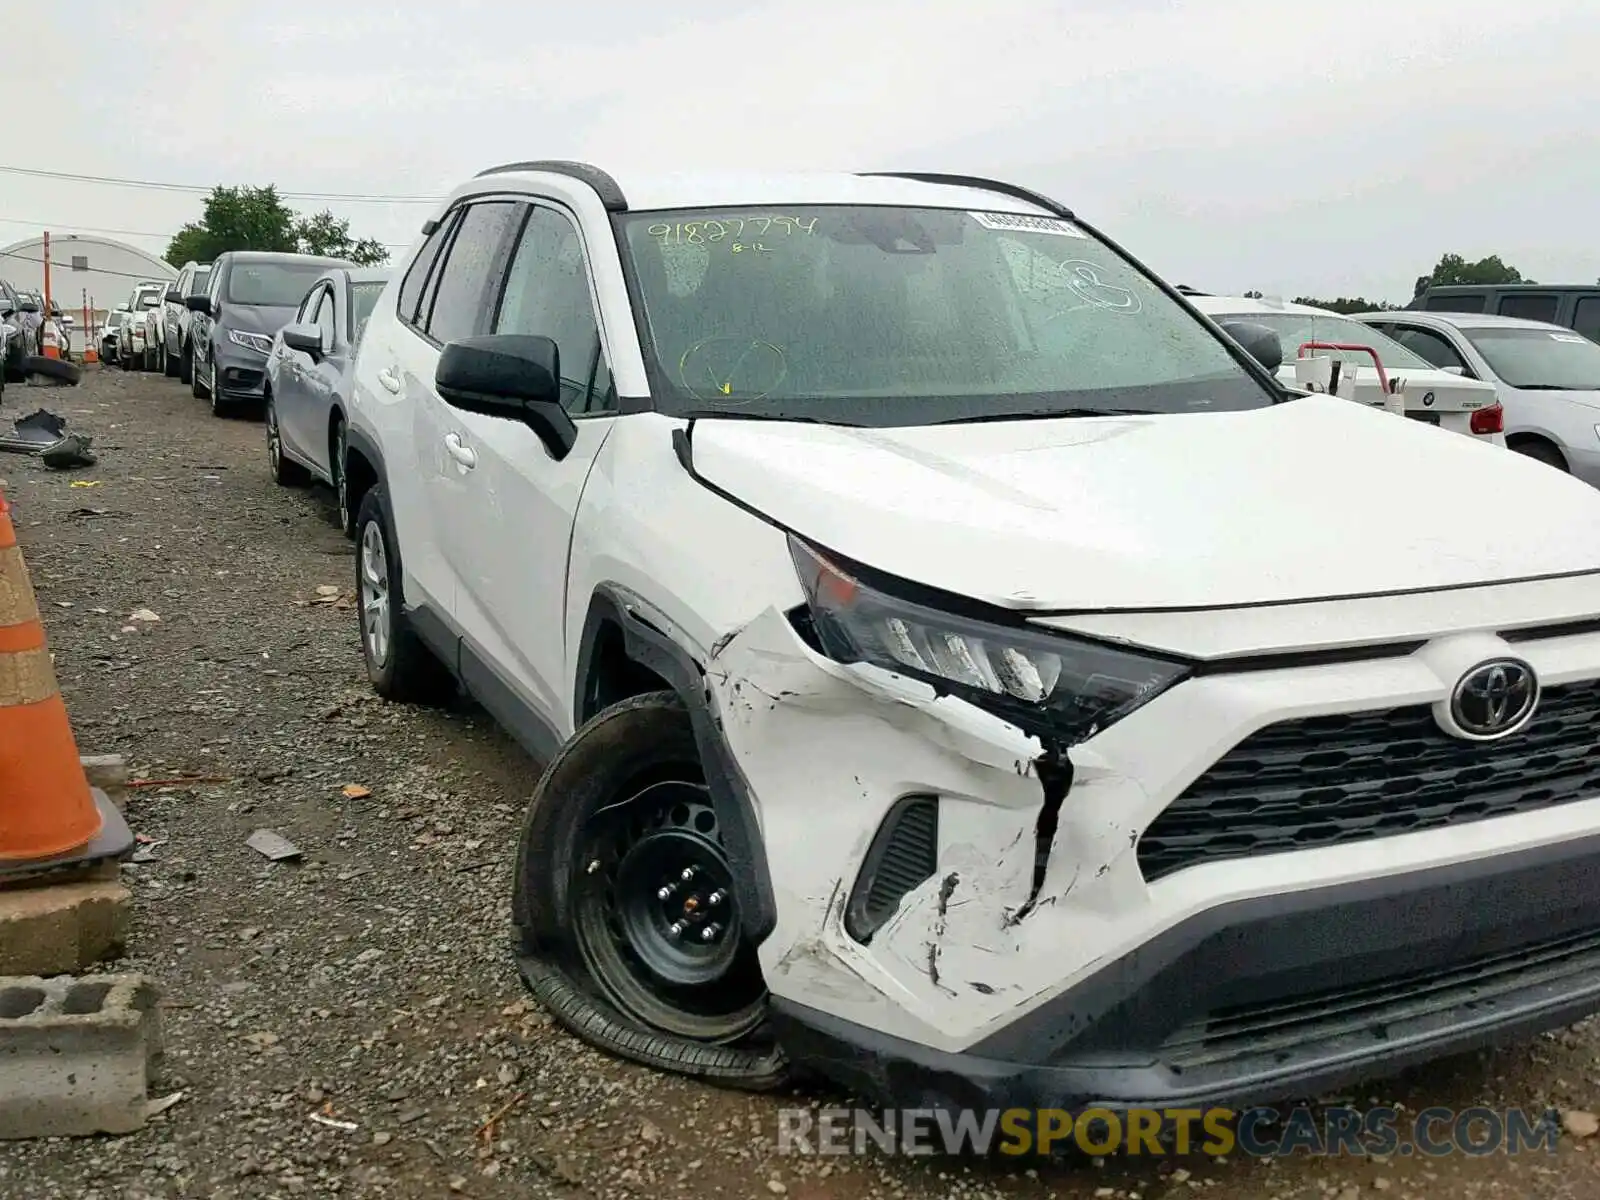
column 738, row 234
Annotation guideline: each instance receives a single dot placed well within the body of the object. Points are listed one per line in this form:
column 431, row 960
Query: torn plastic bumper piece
column 46, row 435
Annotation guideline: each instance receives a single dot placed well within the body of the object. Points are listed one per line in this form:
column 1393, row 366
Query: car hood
column 256, row 318
column 1315, row 498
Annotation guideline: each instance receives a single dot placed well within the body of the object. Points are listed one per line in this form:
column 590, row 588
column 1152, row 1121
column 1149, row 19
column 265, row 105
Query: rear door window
column 1469, row 302
column 1530, row 308
column 1586, row 317
column 1434, row 347
column 469, row 277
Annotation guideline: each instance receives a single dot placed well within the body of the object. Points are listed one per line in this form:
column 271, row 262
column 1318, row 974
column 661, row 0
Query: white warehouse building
column 104, row 269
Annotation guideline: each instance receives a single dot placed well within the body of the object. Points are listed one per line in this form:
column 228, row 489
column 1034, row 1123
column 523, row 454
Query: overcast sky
column 1330, row 149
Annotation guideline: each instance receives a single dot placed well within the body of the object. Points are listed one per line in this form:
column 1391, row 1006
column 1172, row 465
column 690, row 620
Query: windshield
column 1295, row 329
column 148, row 297
column 198, row 283
column 273, row 284
column 114, row 319
column 1540, row 358
column 363, row 296
column 905, row 316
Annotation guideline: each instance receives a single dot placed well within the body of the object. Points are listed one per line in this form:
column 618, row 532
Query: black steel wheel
column 655, row 919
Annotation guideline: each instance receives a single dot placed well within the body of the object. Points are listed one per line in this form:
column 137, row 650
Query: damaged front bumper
column 1035, row 963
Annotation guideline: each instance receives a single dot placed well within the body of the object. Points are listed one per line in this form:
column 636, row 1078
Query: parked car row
column 952, row 650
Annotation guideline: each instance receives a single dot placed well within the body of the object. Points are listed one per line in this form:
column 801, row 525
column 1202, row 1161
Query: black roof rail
column 611, row 197
column 981, row 184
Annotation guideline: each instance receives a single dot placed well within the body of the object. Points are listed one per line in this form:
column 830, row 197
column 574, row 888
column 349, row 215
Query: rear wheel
column 337, row 452
column 185, row 364
column 197, row 389
column 285, row 471
column 399, row 665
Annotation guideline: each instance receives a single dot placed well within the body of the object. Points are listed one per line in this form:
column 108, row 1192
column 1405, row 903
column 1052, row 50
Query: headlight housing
column 1050, row 685
column 259, row 342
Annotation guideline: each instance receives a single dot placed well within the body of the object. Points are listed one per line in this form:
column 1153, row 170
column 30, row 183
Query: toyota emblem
column 1495, row 699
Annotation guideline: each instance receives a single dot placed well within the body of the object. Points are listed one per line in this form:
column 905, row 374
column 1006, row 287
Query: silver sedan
column 308, row 374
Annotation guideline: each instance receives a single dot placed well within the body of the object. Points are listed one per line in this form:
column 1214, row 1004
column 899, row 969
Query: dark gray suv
column 250, row 296
column 22, row 332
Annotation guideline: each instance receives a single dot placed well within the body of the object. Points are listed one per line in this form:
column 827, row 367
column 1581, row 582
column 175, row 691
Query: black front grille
column 1368, row 1015
column 1324, row 781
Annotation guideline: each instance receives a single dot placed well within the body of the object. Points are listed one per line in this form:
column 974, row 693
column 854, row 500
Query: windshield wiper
column 1047, row 414
column 713, row 414
column 1550, row 387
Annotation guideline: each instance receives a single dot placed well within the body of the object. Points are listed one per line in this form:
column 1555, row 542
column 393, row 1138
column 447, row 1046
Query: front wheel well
column 610, row 674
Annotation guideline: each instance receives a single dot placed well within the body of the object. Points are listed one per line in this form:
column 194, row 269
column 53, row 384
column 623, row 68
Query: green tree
column 235, row 218
column 1452, row 268
column 1347, row 304
column 250, row 218
column 323, row 233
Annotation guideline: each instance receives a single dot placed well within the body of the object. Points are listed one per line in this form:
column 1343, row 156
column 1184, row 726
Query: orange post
column 47, row 274
column 46, row 807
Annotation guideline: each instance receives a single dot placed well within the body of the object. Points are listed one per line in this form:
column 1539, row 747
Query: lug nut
column 710, row 932
column 664, row 893
column 688, row 874
column 675, row 929
column 717, row 897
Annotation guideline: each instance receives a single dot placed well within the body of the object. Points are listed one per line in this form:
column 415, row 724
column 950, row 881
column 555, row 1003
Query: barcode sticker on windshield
column 1023, row 223
column 1567, row 337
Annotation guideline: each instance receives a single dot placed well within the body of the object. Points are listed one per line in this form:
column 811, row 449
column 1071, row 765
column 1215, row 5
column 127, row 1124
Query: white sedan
column 1547, row 376
column 1438, row 397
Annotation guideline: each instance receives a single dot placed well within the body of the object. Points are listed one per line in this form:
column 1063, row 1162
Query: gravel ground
column 371, row 983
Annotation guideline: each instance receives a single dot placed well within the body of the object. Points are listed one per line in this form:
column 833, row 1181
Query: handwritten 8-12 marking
column 698, row 233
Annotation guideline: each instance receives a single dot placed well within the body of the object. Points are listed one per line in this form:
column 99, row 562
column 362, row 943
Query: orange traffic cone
column 48, row 343
column 46, row 806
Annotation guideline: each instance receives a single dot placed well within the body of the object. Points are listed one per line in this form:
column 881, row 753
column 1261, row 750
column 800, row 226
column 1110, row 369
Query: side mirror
column 200, row 304
column 305, row 338
column 511, row 375
column 1454, row 370
column 1258, row 341
column 173, row 296
column 28, row 306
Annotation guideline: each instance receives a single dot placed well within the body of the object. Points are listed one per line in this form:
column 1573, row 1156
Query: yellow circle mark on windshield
column 752, row 367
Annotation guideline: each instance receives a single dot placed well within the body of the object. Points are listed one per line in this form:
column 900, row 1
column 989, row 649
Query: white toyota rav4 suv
column 961, row 668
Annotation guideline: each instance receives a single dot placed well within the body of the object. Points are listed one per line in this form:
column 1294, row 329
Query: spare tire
column 52, row 368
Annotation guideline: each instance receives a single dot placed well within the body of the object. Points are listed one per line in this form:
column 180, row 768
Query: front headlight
column 1050, row 685
column 259, row 342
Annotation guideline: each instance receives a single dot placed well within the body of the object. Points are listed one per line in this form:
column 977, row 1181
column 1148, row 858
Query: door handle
column 390, row 383
column 459, row 451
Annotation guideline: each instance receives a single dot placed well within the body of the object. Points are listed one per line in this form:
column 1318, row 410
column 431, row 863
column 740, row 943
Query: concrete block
column 76, row 1055
column 63, row 928
column 109, row 773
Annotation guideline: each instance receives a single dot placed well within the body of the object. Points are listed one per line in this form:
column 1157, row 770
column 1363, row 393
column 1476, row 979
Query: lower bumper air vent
column 904, row 853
